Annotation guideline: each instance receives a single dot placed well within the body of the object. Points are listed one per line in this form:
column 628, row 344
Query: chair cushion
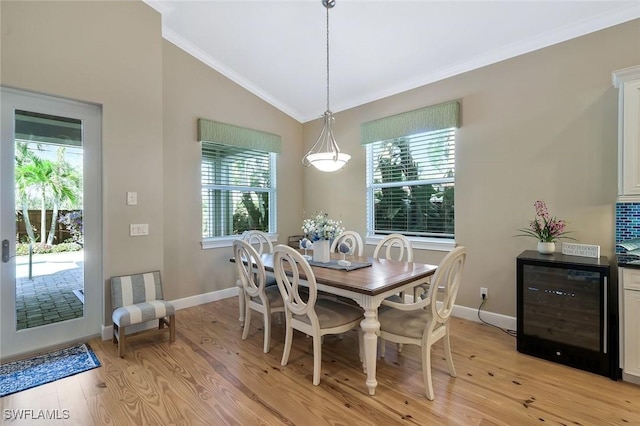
column 333, row 314
column 404, row 323
column 273, row 295
column 142, row 312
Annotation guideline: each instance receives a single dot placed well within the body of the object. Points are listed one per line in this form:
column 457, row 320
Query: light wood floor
column 209, row 376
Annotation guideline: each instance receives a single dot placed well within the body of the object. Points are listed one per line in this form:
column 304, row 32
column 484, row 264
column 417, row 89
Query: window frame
column 227, row 240
column 419, row 242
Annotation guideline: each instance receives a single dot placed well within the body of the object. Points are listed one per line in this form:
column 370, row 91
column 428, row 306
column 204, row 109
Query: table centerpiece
column 321, row 231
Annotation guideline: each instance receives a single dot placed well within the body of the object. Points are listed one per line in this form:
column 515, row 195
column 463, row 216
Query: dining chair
column 305, row 312
column 426, row 321
column 261, row 242
column 256, row 295
column 352, row 239
column 394, row 247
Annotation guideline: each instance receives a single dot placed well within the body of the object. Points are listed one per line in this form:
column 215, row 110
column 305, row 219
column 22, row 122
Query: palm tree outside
column 49, row 284
column 47, row 182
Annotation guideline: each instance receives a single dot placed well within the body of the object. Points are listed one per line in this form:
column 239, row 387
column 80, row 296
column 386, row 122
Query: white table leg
column 370, row 328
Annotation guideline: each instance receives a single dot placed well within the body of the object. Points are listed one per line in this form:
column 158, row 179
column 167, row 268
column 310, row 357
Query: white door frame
column 14, row 343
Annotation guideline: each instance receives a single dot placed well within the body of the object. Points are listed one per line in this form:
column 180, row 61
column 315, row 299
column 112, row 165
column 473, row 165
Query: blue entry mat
column 25, row 374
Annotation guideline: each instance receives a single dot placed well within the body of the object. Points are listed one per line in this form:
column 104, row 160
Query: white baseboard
column 186, row 302
column 463, row 312
column 492, row 318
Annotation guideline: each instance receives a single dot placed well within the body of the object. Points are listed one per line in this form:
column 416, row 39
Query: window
column 411, row 173
column 238, row 182
column 411, row 183
column 237, row 190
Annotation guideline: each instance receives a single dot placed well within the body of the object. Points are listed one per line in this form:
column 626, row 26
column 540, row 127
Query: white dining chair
column 261, row 242
column 394, row 247
column 352, row 239
column 426, row 321
column 398, row 247
column 256, row 295
column 305, row 312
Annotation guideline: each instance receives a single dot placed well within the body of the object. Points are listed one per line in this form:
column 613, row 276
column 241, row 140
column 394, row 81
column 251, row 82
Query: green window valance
column 228, row 134
column 437, row 117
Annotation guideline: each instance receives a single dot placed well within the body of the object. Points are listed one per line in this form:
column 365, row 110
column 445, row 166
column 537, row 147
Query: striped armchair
column 137, row 299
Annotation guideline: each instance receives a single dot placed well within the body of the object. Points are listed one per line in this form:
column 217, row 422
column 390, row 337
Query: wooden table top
column 383, row 275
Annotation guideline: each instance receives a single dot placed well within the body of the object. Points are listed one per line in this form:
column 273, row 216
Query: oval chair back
column 352, row 239
column 288, row 265
column 250, row 268
column 254, row 293
column 259, row 240
column 385, row 248
column 445, row 285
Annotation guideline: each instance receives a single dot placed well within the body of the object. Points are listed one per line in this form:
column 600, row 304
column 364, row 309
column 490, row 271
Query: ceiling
column 277, row 49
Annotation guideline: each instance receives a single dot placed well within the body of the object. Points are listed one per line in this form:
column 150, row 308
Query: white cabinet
column 631, row 324
column 628, row 83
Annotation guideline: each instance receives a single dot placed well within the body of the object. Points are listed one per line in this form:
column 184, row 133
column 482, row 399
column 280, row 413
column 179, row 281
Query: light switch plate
column 584, row 250
column 138, row 229
column 132, row 198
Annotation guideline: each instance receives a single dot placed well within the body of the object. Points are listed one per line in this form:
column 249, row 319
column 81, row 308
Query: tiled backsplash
column 627, row 223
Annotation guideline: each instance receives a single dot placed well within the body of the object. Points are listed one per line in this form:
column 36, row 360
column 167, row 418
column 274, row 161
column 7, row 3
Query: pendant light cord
column 327, row 6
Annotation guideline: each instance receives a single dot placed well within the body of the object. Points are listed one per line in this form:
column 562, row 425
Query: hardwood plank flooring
column 210, row 376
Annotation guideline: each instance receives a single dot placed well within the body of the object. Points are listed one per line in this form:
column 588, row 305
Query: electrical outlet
column 138, row 229
column 484, row 293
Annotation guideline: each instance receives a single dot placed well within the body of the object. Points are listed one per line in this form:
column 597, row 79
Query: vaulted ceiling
column 277, row 49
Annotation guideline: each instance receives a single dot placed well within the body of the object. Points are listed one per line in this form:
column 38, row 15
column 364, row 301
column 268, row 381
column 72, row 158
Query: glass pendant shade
column 327, row 162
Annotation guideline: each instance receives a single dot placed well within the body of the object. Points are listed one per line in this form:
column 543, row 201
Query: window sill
column 220, row 242
column 436, row 244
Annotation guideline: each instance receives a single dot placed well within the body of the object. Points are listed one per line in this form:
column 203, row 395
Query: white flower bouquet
column 320, row 227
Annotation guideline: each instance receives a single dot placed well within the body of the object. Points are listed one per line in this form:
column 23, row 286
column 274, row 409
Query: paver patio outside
column 49, row 297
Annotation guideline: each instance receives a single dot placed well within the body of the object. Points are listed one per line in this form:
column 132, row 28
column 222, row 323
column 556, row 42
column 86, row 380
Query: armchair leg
column 121, row 340
column 172, row 328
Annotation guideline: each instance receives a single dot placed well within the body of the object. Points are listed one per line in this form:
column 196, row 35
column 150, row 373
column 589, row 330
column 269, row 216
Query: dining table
column 367, row 281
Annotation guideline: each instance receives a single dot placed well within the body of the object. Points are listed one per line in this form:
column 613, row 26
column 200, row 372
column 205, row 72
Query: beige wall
column 539, row 126
column 193, row 90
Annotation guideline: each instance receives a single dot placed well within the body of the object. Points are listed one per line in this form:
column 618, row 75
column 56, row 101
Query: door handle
column 5, row 251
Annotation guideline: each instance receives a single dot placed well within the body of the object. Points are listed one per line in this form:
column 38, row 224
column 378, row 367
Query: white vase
column 321, row 251
column 546, row 248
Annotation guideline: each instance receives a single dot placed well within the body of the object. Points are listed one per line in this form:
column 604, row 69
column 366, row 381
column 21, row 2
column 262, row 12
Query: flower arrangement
column 320, row 227
column 545, row 228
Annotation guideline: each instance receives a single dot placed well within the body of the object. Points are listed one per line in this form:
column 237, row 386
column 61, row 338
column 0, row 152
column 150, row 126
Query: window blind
column 237, row 189
column 411, row 183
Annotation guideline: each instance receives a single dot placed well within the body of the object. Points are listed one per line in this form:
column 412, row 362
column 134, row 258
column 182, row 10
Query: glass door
column 50, row 222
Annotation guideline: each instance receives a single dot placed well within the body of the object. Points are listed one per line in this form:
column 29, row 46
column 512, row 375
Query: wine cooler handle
column 606, row 316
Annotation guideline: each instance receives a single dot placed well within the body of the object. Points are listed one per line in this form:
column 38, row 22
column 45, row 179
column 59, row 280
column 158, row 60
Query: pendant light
column 325, row 155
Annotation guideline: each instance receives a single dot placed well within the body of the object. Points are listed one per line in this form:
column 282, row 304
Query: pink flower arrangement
column 545, row 228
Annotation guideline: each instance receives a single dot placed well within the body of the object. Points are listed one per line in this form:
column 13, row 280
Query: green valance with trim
column 437, row 117
column 228, row 134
